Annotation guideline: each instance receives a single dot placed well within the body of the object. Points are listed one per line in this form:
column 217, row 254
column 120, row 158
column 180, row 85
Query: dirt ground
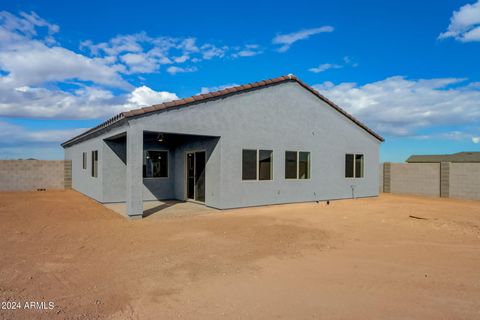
column 352, row 259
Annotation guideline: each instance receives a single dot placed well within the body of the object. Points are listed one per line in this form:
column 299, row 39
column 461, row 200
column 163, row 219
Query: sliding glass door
column 195, row 170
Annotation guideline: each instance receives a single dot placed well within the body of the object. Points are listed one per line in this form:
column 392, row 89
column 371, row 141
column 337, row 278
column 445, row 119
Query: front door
column 196, row 176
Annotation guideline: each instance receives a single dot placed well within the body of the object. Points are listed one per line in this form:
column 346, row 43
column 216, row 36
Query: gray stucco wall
column 81, row 178
column 279, row 118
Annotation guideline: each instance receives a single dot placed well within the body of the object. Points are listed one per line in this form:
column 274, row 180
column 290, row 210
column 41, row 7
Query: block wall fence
column 30, row 175
column 446, row 179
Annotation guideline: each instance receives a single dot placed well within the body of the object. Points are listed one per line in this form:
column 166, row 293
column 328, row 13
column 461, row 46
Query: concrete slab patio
column 164, row 209
column 352, row 259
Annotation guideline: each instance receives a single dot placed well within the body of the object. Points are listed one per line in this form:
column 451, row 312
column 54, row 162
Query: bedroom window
column 354, row 165
column 257, row 164
column 297, row 165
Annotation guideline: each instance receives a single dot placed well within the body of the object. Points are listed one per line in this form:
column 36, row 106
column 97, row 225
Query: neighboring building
column 463, row 157
column 270, row 142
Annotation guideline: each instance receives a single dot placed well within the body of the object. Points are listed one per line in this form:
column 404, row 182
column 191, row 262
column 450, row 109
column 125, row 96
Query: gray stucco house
column 269, row 142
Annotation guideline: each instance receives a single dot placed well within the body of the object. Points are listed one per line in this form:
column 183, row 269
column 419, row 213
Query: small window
column 265, row 167
column 84, row 160
column 354, row 166
column 349, row 166
column 304, row 165
column 155, row 164
column 249, row 165
column 257, row 164
column 95, row 163
column 359, row 166
column 290, row 165
column 297, row 165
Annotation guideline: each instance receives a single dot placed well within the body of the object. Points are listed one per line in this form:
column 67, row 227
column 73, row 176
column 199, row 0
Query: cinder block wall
column 27, row 175
column 446, row 179
column 415, row 178
column 465, row 180
column 380, row 176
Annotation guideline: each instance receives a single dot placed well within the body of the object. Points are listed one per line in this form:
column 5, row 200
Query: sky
column 408, row 69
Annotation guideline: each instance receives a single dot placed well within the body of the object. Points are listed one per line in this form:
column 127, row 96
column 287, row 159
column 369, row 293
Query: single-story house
column 269, row 142
column 459, row 157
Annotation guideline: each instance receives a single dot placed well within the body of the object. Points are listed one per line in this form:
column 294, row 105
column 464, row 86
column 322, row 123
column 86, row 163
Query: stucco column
column 134, row 173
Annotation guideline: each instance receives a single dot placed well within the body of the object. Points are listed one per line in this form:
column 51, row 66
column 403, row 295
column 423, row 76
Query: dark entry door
column 196, row 175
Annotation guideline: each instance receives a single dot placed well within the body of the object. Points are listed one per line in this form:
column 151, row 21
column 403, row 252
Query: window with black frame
column 155, row 164
column 95, row 163
column 84, row 160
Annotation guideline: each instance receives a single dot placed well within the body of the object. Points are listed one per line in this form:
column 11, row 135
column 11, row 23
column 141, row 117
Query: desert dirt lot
column 353, row 259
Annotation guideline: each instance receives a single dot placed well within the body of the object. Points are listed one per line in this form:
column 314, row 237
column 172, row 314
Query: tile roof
column 214, row 95
column 470, row 157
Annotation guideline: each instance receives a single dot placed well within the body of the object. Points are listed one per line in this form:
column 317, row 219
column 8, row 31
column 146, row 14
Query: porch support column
column 134, row 175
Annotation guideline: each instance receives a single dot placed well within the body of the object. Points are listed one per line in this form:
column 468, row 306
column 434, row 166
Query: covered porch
column 144, row 166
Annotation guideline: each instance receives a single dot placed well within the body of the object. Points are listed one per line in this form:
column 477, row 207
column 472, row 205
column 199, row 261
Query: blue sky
column 408, row 69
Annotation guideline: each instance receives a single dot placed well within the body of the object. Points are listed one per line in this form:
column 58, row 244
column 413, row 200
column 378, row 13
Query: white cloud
column 401, row 107
column 325, row 67
column 286, row 40
column 140, row 63
column 182, row 58
column 117, row 45
column 204, row 90
column 210, row 51
column 347, row 61
column 33, row 63
column 25, row 26
column 150, row 53
column 84, row 103
column 29, row 59
column 248, row 50
column 175, row 69
column 476, row 139
column 144, row 96
column 11, row 134
column 464, row 24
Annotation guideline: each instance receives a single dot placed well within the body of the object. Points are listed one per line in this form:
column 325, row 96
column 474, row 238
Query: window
column 290, row 165
column 297, row 165
column 265, row 167
column 257, row 164
column 155, row 164
column 249, row 165
column 359, row 166
column 95, row 163
column 354, row 166
column 304, row 165
column 84, row 160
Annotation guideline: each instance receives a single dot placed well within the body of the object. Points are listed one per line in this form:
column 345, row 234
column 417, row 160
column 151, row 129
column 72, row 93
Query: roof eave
column 213, row 96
